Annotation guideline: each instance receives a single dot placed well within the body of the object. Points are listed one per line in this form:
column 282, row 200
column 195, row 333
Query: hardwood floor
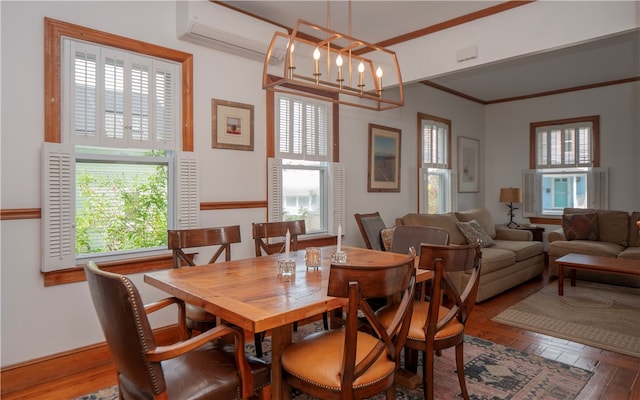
column 616, row 376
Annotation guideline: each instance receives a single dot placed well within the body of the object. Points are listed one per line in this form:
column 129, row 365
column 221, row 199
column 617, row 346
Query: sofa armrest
column 399, row 221
column 557, row 234
column 513, row 234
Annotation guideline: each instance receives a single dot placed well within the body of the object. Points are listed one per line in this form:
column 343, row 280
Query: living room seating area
column 607, row 233
column 509, row 256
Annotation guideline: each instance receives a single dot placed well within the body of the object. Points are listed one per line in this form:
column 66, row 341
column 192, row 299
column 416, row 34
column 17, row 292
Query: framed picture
column 384, row 159
column 468, row 170
column 231, row 125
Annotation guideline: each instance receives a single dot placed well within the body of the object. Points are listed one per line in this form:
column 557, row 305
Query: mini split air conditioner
column 220, row 28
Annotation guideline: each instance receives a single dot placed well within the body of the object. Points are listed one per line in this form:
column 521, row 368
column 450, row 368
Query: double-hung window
column 304, row 182
column 436, row 192
column 564, row 170
column 117, row 181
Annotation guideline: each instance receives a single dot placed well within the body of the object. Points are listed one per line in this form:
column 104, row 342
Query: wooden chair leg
column 460, row 368
column 257, row 338
column 427, row 374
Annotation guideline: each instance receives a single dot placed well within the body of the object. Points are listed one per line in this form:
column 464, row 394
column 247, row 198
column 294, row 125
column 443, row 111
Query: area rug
column 493, row 372
column 595, row 314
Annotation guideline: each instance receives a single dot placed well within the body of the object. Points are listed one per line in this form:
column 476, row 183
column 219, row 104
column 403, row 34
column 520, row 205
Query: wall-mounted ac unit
column 220, row 28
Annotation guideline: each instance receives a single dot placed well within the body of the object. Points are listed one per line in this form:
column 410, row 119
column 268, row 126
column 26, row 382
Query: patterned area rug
column 493, row 372
column 595, row 314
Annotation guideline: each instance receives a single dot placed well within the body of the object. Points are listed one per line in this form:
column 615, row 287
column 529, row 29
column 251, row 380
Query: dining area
column 355, row 355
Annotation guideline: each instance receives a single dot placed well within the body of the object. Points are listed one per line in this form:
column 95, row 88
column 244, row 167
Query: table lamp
column 511, row 195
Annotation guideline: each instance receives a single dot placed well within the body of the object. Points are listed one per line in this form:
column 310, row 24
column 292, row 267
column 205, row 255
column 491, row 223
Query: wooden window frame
column 54, row 31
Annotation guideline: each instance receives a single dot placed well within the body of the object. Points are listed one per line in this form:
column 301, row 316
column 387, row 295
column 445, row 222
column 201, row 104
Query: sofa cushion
column 523, row 249
column 613, row 227
column 580, row 226
column 444, row 221
column 632, row 253
column 561, row 247
column 483, row 216
column 494, row 259
column 472, row 231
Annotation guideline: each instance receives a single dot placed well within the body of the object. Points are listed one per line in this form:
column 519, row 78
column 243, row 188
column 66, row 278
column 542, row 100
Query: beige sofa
column 605, row 233
column 515, row 258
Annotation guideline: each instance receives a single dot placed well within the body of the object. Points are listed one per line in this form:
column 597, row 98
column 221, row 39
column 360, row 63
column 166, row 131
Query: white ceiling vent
column 217, row 27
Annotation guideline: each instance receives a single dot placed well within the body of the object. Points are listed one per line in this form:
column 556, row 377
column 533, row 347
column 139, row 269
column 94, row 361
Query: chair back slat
column 264, row 231
column 180, row 239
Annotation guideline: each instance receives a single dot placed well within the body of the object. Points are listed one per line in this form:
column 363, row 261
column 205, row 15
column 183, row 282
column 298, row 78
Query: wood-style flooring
column 616, row 376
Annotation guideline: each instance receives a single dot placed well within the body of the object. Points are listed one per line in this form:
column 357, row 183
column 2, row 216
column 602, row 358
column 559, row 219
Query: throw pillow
column 580, row 226
column 387, row 237
column 472, row 231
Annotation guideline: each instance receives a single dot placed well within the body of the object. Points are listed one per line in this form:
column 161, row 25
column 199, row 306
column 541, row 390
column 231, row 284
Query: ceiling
column 605, row 60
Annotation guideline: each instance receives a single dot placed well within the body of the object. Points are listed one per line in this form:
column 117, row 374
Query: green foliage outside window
column 122, row 211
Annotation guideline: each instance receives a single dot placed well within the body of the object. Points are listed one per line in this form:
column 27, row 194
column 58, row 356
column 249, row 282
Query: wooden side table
column 535, row 230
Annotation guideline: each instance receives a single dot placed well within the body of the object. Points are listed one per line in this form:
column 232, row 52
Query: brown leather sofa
column 606, row 233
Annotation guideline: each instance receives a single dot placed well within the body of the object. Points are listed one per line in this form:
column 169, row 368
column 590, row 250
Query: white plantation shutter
column 188, row 202
column 303, row 129
column 114, row 98
column 337, row 195
column 598, row 184
column 532, row 184
column 58, row 207
column 275, row 189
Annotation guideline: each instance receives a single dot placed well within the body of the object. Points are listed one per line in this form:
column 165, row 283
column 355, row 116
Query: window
column 116, row 181
column 436, row 192
column 565, row 169
column 304, row 183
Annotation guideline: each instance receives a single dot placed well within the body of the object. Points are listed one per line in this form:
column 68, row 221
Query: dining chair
column 220, row 240
column 405, row 236
column 370, row 225
column 203, row 367
column 348, row 363
column 435, row 327
column 263, row 233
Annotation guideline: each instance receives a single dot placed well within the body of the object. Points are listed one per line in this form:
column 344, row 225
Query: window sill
column 146, row 264
column 125, row 267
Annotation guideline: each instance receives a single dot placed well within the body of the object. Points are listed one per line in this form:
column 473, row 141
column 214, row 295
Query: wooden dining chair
column 405, row 236
column 435, row 327
column 263, row 233
column 370, row 225
column 216, row 239
column 348, row 363
column 202, row 367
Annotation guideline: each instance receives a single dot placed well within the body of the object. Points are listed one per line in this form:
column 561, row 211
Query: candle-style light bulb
column 361, row 76
column 339, row 64
column 291, row 49
column 291, row 63
column 379, row 75
column 316, row 58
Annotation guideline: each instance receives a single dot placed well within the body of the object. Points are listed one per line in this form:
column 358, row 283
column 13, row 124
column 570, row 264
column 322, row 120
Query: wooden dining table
column 251, row 294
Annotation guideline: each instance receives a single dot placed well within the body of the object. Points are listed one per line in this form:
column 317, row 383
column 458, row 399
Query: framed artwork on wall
column 231, row 125
column 468, row 164
column 383, row 174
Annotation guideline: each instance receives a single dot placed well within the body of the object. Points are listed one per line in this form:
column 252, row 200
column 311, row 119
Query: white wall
column 38, row 321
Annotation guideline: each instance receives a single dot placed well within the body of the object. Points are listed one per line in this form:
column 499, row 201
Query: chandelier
column 327, row 65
